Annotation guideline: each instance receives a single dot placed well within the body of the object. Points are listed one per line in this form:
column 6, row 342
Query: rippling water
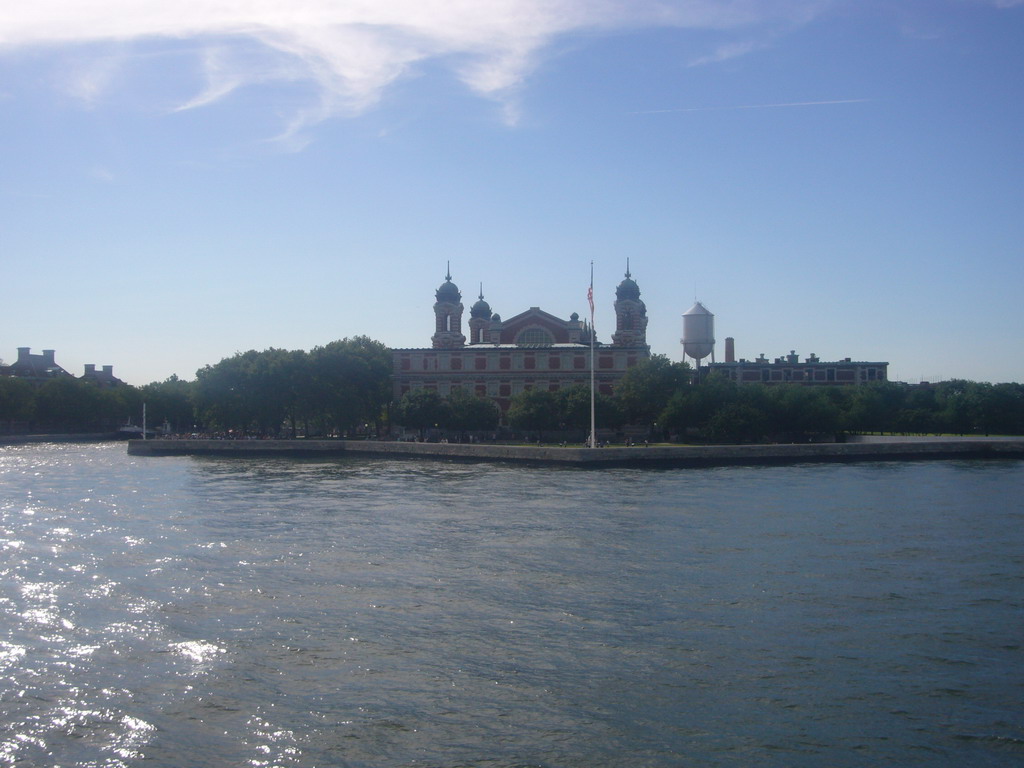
column 354, row 612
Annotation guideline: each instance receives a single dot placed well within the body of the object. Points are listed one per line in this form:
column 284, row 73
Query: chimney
column 730, row 350
column 23, row 353
column 108, row 370
column 90, row 369
column 48, row 357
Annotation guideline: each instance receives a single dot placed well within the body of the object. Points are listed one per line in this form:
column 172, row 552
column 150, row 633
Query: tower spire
column 627, row 268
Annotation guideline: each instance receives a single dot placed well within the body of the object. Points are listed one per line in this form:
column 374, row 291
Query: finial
column 627, row 268
column 448, row 274
column 481, row 291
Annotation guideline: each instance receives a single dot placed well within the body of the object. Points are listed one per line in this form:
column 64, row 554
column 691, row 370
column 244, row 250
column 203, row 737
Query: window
column 535, row 335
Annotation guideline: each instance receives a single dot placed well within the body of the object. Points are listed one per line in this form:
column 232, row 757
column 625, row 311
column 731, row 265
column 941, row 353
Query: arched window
column 535, row 335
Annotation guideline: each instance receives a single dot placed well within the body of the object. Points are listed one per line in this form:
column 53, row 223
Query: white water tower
column 698, row 333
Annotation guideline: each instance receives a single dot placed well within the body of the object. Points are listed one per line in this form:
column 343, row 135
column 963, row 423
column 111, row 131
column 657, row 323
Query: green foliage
column 336, row 387
column 17, row 400
column 71, row 405
column 468, row 413
column 574, row 409
column 170, row 401
column 351, row 381
column 736, row 423
column 535, row 410
column 648, row 386
column 794, row 412
column 422, row 409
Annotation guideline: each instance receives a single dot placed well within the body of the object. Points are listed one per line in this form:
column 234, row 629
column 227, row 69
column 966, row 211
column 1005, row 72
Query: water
column 355, row 612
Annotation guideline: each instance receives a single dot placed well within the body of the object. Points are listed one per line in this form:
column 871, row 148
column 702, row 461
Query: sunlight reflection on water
column 360, row 612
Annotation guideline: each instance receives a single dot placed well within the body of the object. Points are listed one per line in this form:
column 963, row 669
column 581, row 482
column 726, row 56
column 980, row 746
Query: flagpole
column 593, row 420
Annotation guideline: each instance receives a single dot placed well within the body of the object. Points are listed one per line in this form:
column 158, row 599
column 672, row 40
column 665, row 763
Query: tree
column 534, row 410
column 170, row 401
column 17, row 400
column 468, row 413
column 225, row 397
column 351, row 382
column 795, row 412
column 422, row 409
column 574, row 409
column 873, row 407
column 714, row 393
column 66, row 403
column 736, row 423
column 648, row 386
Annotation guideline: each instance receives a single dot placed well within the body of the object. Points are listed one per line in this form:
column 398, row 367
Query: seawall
column 654, row 456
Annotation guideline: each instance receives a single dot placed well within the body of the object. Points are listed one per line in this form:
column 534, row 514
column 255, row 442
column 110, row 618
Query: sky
column 183, row 181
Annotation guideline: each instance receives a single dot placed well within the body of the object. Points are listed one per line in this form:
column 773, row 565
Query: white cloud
column 352, row 50
column 101, row 173
column 727, row 51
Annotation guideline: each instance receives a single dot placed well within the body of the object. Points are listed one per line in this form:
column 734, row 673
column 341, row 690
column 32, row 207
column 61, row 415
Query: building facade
column 789, row 369
column 498, row 359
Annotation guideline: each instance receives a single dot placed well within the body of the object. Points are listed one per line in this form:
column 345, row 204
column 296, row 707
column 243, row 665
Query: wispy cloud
column 727, row 51
column 751, row 106
column 101, row 173
column 352, row 50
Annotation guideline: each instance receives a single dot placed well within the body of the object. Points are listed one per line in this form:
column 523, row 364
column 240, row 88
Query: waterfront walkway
column 658, row 455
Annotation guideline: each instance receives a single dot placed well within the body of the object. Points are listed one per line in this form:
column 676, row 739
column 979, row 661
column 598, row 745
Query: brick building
column 790, row 369
column 532, row 350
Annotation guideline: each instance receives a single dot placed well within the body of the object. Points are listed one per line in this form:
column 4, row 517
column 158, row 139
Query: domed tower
column 630, row 314
column 448, row 316
column 479, row 320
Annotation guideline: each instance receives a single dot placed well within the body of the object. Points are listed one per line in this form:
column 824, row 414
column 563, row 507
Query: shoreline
column 637, row 456
column 62, row 437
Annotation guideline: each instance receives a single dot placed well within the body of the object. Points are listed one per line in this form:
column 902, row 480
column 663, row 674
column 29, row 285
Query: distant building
column 36, row 369
column 532, row 350
column 790, row 369
column 104, row 378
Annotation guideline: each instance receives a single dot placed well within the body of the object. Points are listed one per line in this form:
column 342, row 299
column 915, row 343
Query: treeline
column 658, row 399
column 719, row 410
column 339, row 388
column 344, row 388
column 65, row 404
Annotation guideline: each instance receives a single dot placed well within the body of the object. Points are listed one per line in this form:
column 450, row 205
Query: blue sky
column 180, row 182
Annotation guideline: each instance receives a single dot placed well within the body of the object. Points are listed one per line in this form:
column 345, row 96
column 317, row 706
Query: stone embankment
column 640, row 456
